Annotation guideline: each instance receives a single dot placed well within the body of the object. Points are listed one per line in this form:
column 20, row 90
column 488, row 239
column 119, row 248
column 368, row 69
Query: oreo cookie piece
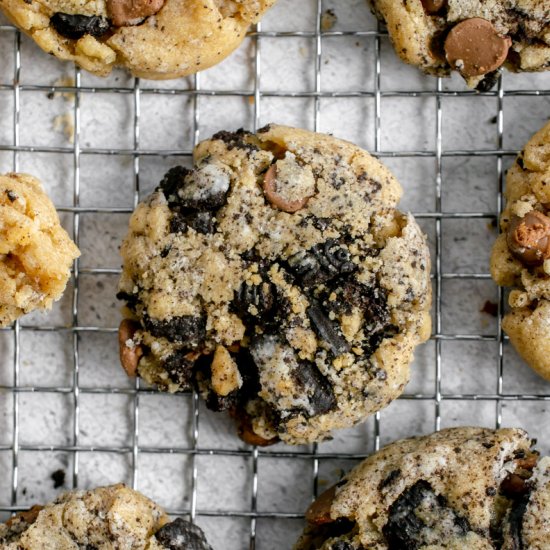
column 293, row 326
column 471, row 488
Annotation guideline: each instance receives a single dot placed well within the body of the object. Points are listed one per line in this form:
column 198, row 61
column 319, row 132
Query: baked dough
column 36, row 253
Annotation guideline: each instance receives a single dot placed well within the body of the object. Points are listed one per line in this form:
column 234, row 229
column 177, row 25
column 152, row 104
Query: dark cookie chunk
column 328, row 330
column 76, row 26
column 187, row 329
column 201, row 222
column 179, row 367
column 255, row 301
column 408, row 527
column 236, row 140
column 321, row 263
column 317, row 387
column 182, row 535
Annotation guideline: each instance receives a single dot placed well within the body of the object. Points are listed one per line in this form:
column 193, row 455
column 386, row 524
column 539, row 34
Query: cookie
column 111, row 518
column 35, row 251
column 461, row 488
column 473, row 37
column 278, row 277
column 156, row 39
column 521, row 253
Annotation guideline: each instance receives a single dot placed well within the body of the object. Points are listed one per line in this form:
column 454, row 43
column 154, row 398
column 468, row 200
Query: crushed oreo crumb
column 76, row 26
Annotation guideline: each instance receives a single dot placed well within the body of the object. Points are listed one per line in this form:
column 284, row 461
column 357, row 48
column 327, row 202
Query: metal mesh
column 262, row 518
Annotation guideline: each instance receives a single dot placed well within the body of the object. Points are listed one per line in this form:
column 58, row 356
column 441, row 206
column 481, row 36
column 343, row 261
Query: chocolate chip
column 528, row 238
column 11, row 195
column 187, row 329
column 327, row 330
column 513, row 485
column 475, row 48
column 182, row 535
column 132, row 12
column 319, row 510
column 130, row 353
column 317, row 389
column 76, row 26
column 274, row 190
column 433, row 6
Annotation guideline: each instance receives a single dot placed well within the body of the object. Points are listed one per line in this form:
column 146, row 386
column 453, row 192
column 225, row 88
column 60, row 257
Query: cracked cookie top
column 157, row 39
column 111, row 518
column 473, row 37
column 278, row 277
column 471, row 488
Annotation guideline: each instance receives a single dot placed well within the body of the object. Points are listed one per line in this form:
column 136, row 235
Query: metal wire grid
column 257, row 94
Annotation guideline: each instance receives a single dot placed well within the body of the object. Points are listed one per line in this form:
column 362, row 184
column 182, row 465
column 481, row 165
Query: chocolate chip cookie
column 155, row 39
column 461, row 488
column 473, row 37
column 36, row 253
column 110, row 518
column 278, row 277
column 521, row 254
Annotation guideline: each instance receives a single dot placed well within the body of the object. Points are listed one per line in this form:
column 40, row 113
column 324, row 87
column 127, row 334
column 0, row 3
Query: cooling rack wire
column 64, row 404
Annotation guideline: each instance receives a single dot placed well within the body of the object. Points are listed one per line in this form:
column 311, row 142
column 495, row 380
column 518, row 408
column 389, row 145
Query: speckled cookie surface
column 106, row 518
column 36, row 253
column 461, row 488
column 155, row 39
column 525, row 265
column 519, row 29
column 279, row 278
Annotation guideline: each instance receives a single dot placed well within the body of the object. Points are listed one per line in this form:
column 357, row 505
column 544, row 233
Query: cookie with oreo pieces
column 460, row 488
column 297, row 307
column 473, row 37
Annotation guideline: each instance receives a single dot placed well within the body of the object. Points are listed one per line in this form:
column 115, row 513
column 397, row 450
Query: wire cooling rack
column 66, row 409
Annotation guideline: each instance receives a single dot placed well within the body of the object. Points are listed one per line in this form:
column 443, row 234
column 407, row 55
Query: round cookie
column 156, row 39
column 521, row 253
column 461, row 488
column 36, row 253
column 278, row 277
column 474, row 37
column 110, row 518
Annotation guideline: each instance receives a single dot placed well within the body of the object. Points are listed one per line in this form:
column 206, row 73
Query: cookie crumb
column 490, row 307
column 58, row 478
column 328, row 20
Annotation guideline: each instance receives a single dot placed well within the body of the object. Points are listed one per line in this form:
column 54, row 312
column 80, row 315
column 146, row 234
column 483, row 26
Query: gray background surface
column 65, row 402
